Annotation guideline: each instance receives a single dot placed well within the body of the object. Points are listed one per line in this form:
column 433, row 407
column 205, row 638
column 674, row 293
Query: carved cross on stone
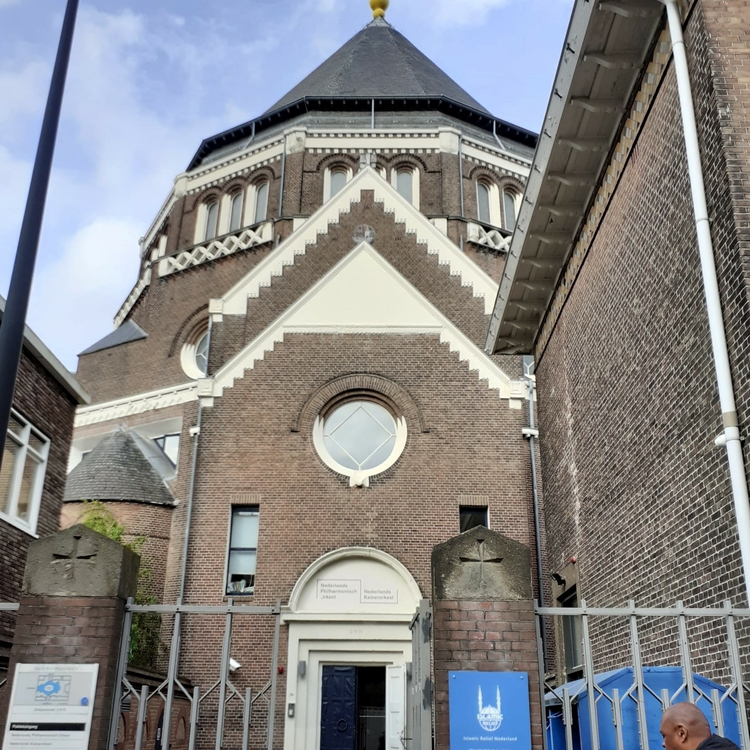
column 73, row 550
column 481, row 560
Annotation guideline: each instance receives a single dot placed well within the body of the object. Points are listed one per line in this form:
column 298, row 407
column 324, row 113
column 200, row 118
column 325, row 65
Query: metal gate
column 419, row 726
column 640, row 641
column 170, row 691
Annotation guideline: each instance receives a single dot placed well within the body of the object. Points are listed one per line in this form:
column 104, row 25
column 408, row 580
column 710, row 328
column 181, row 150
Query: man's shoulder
column 714, row 742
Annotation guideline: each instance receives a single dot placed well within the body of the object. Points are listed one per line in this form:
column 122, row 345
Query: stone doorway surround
column 352, row 606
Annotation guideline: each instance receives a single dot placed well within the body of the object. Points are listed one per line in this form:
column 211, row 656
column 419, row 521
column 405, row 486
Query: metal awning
column 607, row 45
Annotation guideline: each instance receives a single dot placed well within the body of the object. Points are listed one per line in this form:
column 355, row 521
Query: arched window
column 359, row 437
column 235, row 220
column 484, row 212
column 212, row 220
column 261, row 202
column 339, row 179
column 509, row 209
column 405, row 184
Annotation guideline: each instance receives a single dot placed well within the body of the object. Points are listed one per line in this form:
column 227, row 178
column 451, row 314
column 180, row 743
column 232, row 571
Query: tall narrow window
column 243, row 550
column 22, row 474
column 261, row 202
column 338, row 181
column 483, row 203
column 509, row 207
column 212, row 220
column 405, row 184
column 235, row 221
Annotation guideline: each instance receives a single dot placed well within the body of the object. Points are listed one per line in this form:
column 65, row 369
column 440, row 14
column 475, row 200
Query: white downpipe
column 731, row 435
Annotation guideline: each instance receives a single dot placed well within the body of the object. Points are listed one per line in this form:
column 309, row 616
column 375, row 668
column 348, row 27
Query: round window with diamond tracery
column 359, row 438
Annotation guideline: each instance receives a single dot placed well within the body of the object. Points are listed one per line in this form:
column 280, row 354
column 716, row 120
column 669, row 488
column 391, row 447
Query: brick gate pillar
column 72, row 611
column 484, row 617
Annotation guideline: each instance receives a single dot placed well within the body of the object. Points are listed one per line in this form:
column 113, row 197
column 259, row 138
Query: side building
column 35, row 459
column 604, row 286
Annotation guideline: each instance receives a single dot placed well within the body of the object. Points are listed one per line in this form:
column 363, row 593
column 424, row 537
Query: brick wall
column 71, row 630
column 40, row 398
column 484, row 637
column 634, row 486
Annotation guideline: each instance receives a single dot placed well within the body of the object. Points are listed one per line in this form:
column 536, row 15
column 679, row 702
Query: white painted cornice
column 416, row 223
column 136, row 404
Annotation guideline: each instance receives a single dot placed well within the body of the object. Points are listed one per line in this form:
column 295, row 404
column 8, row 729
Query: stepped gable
column 117, row 470
column 378, row 62
column 411, row 259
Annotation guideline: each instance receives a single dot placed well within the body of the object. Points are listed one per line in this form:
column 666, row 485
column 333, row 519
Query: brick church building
column 295, row 405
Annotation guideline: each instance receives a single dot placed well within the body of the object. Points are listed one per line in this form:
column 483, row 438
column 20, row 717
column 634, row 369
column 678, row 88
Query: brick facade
column 41, row 399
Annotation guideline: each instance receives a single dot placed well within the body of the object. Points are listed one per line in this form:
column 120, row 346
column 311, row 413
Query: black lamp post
column 14, row 317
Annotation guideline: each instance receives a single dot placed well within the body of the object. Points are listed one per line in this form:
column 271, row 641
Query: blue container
column 655, row 678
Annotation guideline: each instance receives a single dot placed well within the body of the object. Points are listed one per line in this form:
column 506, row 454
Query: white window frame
column 407, row 167
column 495, row 216
column 201, row 221
column 358, row 478
column 24, row 449
column 251, row 204
column 232, row 509
column 516, row 197
column 225, row 213
column 327, row 178
column 189, row 349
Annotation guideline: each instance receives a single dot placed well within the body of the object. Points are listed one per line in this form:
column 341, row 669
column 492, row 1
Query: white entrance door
column 395, row 706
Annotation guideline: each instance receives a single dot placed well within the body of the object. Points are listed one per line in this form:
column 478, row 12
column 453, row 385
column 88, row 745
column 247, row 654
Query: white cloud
column 79, row 293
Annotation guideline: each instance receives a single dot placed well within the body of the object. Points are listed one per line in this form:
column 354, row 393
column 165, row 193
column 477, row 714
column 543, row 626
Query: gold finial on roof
column 379, row 7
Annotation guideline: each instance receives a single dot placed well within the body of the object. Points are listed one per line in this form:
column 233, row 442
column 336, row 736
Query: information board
column 489, row 710
column 51, row 707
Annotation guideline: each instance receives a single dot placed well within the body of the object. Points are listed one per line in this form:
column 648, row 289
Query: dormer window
column 261, row 202
column 484, row 203
column 510, row 209
column 212, row 220
column 235, row 212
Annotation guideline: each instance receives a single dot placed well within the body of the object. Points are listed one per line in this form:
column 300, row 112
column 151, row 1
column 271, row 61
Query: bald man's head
column 684, row 727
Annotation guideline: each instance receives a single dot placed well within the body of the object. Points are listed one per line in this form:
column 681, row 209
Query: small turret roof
column 379, row 62
column 117, row 470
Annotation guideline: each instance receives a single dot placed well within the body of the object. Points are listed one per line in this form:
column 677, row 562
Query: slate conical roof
column 117, row 470
column 379, row 62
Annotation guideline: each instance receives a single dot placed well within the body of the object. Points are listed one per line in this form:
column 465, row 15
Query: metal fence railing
column 213, row 708
column 638, row 661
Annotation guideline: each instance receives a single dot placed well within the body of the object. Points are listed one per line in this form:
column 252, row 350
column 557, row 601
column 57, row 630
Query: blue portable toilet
column 655, row 679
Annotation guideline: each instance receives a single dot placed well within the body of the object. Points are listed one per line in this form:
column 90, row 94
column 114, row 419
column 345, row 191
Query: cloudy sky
column 149, row 79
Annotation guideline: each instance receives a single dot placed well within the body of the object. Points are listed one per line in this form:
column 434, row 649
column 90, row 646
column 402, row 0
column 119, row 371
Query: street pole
column 14, row 317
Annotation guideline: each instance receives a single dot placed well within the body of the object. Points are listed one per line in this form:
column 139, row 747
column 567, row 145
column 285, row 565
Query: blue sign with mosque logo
column 489, row 710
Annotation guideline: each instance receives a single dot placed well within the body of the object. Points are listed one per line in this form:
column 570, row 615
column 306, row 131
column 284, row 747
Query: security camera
column 234, row 665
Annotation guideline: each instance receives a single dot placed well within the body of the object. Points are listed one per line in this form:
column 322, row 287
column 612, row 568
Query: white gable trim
column 235, row 300
column 467, row 350
column 424, row 319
